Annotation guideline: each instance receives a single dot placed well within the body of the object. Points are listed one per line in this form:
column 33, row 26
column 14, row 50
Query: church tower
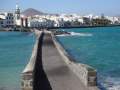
column 17, row 16
column 17, row 12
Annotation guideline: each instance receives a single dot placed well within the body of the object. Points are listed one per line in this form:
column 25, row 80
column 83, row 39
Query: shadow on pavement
column 40, row 80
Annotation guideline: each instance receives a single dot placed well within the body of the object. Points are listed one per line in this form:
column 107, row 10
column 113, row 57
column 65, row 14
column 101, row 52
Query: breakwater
column 86, row 74
column 96, row 50
column 47, row 59
column 28, row 72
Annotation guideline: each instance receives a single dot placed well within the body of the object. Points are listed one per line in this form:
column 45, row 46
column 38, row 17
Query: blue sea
column 15, row 52
column 99, row 48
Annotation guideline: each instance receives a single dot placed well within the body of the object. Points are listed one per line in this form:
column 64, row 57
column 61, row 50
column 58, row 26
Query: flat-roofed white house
column 6, row 19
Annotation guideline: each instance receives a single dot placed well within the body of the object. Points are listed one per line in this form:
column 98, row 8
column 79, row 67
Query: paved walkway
column 59, row 75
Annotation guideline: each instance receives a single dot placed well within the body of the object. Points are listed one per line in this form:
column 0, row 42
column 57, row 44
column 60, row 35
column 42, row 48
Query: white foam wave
column 114, row 88
column 76, row 34
column 112, row 83
column 63, row 35
column 80, row 34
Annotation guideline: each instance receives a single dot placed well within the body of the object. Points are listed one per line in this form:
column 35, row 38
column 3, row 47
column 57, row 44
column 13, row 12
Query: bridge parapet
column 86, row 73
column 27, row 74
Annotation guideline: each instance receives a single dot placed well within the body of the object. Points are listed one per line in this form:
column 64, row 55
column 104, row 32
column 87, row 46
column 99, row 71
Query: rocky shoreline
column 16, row 29
column 59, row 32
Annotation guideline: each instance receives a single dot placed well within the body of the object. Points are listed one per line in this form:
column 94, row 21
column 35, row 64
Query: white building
column 114, row 20
column 2, row 22
column 37, row 21
column 9, row 19
column 6, row 19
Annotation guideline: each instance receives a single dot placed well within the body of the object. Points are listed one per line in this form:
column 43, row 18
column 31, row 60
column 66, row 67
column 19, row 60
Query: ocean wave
column 63, row 35
column 111, row 83
column 80, row 34
column 117, row 87
column 76, row 34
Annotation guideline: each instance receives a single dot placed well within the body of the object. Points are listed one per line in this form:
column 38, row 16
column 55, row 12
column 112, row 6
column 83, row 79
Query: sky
column 83, row 7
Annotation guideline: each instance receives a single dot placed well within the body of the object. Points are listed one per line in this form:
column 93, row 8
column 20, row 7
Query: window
column 31, row 83
column 1, row 22
column 22, row 84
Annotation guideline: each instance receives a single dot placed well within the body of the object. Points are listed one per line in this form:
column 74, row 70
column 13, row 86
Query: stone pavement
column 59, row 75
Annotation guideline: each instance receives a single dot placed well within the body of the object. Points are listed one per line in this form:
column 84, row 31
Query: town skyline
column 108, row 7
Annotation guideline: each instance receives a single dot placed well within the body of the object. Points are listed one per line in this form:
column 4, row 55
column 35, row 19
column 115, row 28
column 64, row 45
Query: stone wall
column 27, row 81
column 85, row 73
column 27, row 74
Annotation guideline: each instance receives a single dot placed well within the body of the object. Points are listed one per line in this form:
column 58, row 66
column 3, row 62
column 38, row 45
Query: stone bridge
column 51, row 68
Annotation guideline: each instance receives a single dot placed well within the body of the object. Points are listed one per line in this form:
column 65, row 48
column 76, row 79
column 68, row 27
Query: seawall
column 28, row 72
column 86, row 73
column 51, row 58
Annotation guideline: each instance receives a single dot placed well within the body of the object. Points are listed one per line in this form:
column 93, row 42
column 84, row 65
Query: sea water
column 99, row 48
column 15, row 52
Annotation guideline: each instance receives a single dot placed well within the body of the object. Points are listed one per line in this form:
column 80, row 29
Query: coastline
column 50, row 28
column 81, row 27
column 16, row 30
